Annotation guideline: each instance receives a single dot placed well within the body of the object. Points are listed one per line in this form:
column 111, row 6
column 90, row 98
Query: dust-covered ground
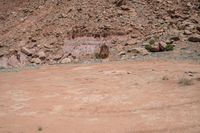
column 116, row 97
column 65, row 31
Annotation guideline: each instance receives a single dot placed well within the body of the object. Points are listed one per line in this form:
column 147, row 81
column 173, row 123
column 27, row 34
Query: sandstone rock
column 141, row 51
column 163, row 44
column 66, row 60
column 187, row 32
column 3, row 63
column 36, row 60
column 13, row 61
column 122, row 53
column 26, row 51
column 131, row 42
column 23, row 59
column 41, row 55
column 194, row 38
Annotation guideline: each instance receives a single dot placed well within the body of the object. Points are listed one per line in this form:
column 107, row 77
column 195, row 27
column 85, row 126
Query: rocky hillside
column 64, row 31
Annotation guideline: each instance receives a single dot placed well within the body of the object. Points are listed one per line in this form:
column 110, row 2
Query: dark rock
column 194, row 38
column 104, row 51
column 175, row 38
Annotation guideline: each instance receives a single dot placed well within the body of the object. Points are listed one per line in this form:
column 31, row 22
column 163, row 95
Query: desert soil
column 115, row 97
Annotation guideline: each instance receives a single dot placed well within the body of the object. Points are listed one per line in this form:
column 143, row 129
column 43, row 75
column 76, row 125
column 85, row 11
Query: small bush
column 152, row 42
column 169, row 47
column 97, row 56
column 148, row 47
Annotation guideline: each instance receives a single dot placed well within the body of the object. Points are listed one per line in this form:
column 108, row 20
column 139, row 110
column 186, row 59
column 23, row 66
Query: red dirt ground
column 116, row 97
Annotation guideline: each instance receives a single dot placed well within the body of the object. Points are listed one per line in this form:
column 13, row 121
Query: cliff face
column 30, row 29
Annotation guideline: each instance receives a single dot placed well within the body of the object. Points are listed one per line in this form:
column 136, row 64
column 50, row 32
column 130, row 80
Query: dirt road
column 118, row 97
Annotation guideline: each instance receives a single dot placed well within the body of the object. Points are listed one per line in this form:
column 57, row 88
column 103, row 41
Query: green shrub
column 169, row 47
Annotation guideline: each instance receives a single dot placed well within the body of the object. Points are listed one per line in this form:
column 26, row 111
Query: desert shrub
column 169, row 47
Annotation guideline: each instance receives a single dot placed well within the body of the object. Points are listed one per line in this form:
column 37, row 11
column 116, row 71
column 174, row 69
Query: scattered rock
column 125, row 7
column 27, row 51
column 66, row 60
column 187, row 32
column 13, row 61
column 122, row 53
column 131, row 42
column 175, row 38
column 23, row 59
column 119, row 2
column 36, row 60
column 194, row 38
column 141, row 51
column 41, row 55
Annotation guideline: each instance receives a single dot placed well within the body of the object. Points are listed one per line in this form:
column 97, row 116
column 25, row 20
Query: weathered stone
column 141, row 51
column 194, row 38
column 41, row 55
column 36, row 60
column 125, row 7
column 66, row 60
column 13, row 61
column 26, row 51
column 122, row 53
column 187, row 32
column 175, row 38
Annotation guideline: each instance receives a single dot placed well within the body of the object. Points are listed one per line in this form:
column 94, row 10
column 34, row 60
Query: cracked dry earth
column 115, row 97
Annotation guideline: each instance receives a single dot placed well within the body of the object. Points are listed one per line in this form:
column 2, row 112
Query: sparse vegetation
column 97, row 56
column 169, row 47
column 185, row 82
column 152, row 42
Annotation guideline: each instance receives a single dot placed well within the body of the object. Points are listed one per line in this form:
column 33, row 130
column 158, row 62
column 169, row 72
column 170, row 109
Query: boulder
column 66, row 60
column 3, row 63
